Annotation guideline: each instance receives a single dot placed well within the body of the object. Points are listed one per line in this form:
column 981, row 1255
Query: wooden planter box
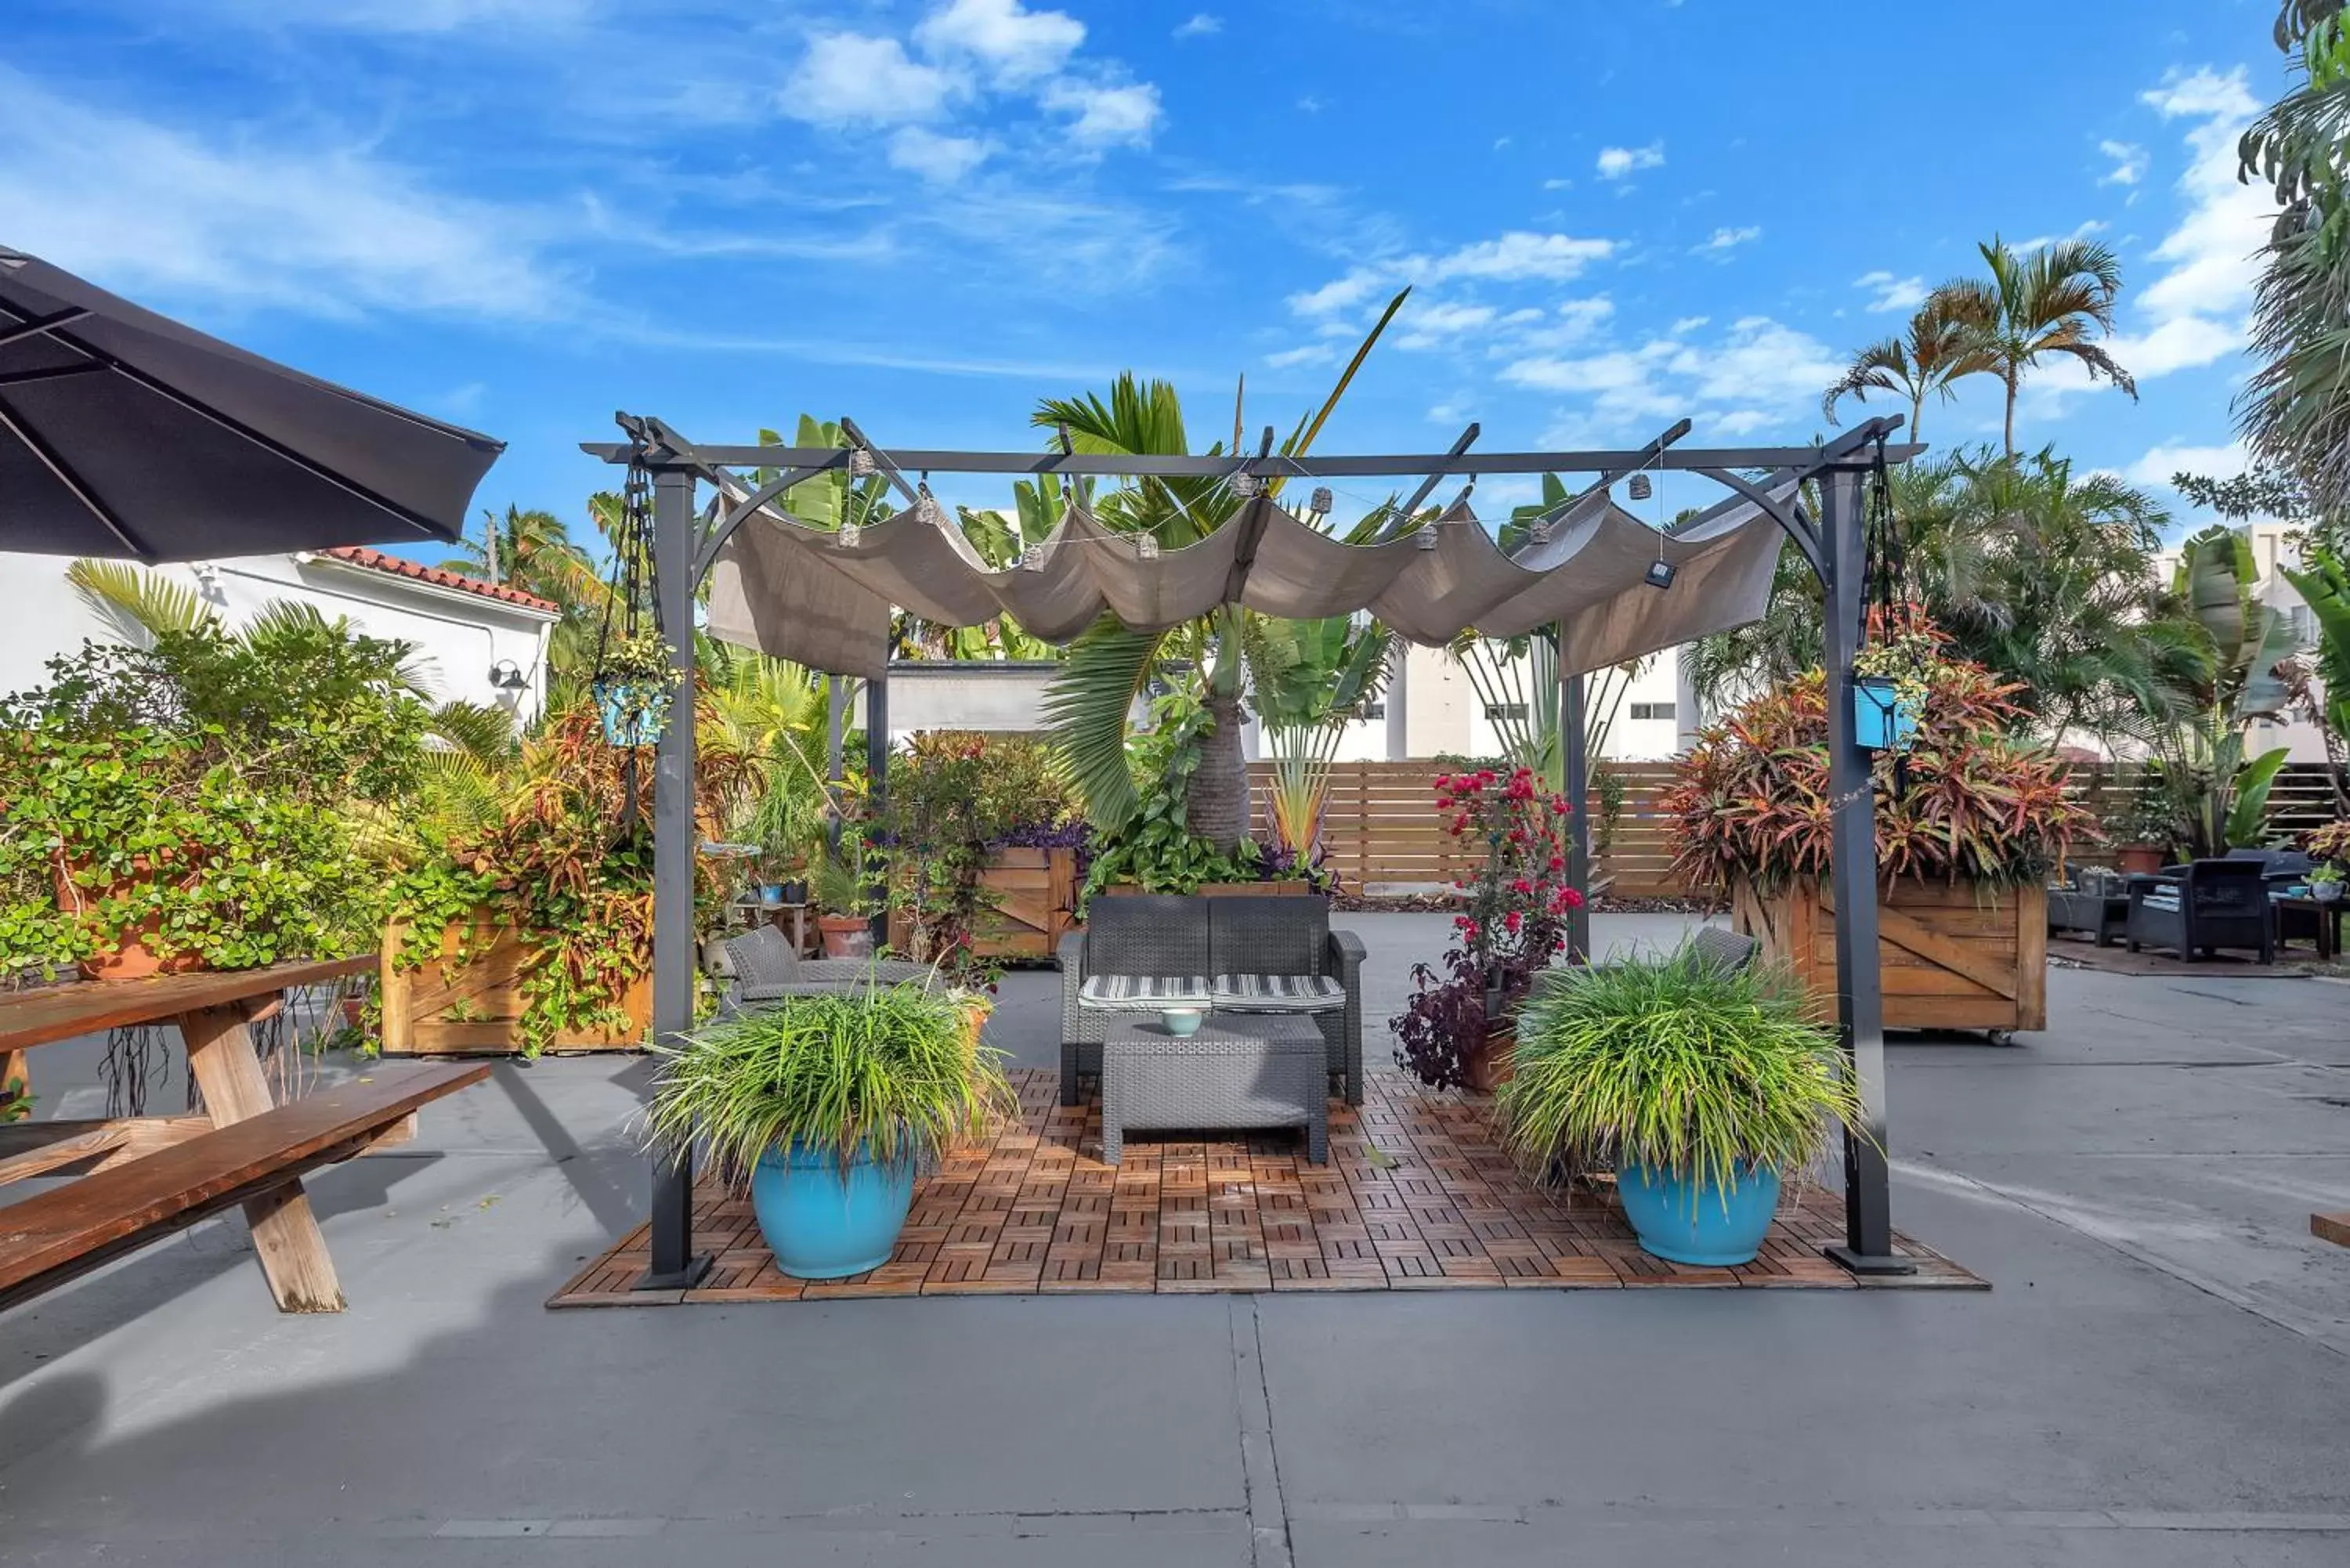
column 478, row 1011
column 1949, row 957
column 1033, row 891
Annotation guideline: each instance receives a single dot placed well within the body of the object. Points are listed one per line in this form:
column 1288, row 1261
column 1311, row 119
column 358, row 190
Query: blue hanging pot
column 1881, row 722
column 634, row 712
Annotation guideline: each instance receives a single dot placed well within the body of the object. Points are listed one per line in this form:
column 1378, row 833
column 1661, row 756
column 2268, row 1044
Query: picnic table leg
column 285, row 1236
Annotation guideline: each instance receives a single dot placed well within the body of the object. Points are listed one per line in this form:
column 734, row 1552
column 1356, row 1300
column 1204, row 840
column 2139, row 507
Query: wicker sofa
column 2196, row 909
column 763, row 967
column 1253, row 951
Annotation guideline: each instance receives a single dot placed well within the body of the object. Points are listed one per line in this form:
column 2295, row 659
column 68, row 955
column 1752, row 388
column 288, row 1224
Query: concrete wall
column 457, row 636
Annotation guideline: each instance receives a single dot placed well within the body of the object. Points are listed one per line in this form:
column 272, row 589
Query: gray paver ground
column 2161, row 1375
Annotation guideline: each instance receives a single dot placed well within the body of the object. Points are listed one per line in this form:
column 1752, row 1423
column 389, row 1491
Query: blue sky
column 521, row 214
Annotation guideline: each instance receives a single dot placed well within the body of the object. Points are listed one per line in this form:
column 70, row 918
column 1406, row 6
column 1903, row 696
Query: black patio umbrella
column 125, row 433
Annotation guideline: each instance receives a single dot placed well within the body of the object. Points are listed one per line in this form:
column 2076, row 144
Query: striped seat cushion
column 1279, row 993
column 1143, row 992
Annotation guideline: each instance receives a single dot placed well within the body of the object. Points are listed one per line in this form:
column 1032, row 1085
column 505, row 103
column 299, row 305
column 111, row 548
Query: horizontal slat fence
column 1381, row 824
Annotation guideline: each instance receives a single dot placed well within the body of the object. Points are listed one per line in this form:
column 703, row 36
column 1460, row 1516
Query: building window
column 1505, row 712
column 1652, row 710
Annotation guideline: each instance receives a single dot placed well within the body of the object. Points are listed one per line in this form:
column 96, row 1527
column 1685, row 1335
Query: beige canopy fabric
column 823, row 598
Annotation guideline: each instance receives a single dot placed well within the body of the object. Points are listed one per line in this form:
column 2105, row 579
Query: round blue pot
column 824, row 1221
column 1706, row 1226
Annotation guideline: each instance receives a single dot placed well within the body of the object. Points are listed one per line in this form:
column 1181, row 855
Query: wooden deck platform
column 1417, row 1196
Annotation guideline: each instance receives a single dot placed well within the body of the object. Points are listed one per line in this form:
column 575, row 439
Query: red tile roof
column 376, row 560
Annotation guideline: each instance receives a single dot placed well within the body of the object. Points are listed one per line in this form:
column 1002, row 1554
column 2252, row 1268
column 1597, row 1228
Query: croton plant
column 1972, row 798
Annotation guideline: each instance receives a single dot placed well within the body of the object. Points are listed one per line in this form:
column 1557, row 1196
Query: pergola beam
column 1807, row 459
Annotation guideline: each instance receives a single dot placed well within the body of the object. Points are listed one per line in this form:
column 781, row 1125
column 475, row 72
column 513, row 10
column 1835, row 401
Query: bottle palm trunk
column 1217, row 807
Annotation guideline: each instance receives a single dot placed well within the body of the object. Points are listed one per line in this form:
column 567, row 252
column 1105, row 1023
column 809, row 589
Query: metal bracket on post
column 1573, row 741
column 675, row 1266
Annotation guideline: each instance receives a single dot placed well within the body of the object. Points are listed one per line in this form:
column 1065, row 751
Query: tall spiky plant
column 1933, row 352
column 1109, row 667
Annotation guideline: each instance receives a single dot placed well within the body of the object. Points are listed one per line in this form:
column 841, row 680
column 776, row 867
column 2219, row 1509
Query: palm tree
column 2295, row 412
column 2057, row 300
column 1110, row 665
column 1935, row 350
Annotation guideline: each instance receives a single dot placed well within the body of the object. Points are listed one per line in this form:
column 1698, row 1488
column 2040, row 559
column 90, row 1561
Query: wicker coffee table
column 1241, row 1070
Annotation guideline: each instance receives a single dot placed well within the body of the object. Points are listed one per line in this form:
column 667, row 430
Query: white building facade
column 476, row 641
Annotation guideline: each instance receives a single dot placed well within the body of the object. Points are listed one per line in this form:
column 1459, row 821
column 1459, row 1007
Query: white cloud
column 1014, row 44
column 1338, row 294
column 1201, row 25
column 1689, row 323
column 1308, row 353
column 848, row 79
column 1616, row 162
column 1616, row 372
column 1107, row 115
column 2130, row 163
column 331, row 231
column 2212, row 253
column 1556, row 185
column 1428, row 327
column 2216, row 461
column 1760, row 359
column 420, row 16
column 1891, row 293
column 943, row 160
column 1742, row 421
column 1515, row 257
column 1723, row 241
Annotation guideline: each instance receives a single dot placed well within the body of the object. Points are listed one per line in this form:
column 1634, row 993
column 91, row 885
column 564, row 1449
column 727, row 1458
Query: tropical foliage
column 954, row 797
column 1677, row 1065
column 890, row 1073
column 1937, row 350
column 1970, row 801
column 2056, row 302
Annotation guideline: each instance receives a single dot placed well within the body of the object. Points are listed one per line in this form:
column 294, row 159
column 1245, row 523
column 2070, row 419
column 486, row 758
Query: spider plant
column 1675, row 1065
column 891, row 1073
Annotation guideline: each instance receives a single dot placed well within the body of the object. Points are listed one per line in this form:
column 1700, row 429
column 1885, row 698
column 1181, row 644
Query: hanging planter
column 1881, row 720
column 633, row 686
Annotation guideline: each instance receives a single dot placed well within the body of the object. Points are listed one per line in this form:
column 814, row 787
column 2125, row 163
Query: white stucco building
column 482, row 643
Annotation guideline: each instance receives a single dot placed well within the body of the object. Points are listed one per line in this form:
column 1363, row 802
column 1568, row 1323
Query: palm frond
column 1086, row 708
column 142, row 604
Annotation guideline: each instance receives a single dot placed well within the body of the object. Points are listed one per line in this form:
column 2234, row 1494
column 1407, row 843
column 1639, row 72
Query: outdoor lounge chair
column 2198, row 909
column 1251, row 953
column 764, row 967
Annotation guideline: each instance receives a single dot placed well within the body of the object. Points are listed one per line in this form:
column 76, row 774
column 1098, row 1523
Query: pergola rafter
column 1769, row 480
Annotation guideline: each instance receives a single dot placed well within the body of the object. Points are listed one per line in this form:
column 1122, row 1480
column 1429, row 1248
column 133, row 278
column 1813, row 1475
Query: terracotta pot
column 845, row 936
column 1493, row 1061
column 132, row 958
column 2142, row 859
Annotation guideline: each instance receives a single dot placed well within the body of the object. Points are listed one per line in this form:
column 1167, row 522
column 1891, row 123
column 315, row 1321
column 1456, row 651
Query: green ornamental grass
column 1677, row 1065
column 889, row 1070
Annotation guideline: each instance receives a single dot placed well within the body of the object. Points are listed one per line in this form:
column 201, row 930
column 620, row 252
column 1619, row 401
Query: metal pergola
column 686, row 544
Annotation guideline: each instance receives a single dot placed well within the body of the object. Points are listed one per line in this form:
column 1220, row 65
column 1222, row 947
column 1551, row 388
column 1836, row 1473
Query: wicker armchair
column 1249, row 945
column 764, row 967
column 2198, row 909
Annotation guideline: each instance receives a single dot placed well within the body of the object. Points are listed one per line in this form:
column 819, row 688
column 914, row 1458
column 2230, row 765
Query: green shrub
column 1676, row 1066
column 891, row 1069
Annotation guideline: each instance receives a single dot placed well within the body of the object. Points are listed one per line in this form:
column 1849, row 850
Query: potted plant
column 826, row 1107
column 1702, row 1087
column 634, row 683
column 842, row 894
column 1455, row 1032
column 2325, row 884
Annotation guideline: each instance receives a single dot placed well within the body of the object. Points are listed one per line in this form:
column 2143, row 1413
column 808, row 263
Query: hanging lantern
column 861, row 464
column 1322, row 502
column 1641, row 488
column 1244, row 485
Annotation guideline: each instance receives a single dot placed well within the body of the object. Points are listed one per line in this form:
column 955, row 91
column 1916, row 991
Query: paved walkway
column 2160, row 1376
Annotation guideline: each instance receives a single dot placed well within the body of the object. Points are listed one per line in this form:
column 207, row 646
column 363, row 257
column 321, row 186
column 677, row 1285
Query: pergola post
column 675, row 1266
column 877, row 778
column 1860, row 1004
column 1573, row 741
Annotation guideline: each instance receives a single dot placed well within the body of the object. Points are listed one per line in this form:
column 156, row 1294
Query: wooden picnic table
column 214, row 1011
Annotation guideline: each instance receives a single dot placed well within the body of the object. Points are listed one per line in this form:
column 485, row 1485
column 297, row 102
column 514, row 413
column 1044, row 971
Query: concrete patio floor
column 2160, row 1376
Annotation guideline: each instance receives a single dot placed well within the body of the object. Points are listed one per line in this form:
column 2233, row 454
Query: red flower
column 1520, row 886
column 1558, row 863
column 1512, row 919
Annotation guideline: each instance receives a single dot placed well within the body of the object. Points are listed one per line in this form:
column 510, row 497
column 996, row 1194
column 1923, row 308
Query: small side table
column 755, row 910
column 1270, row 1070
column 2298, row 913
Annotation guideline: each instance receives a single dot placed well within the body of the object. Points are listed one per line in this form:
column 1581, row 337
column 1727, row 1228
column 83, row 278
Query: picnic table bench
column 149, row 1176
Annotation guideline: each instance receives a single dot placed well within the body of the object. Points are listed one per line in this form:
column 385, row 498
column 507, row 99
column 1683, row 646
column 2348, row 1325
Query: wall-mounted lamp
column 507, row 676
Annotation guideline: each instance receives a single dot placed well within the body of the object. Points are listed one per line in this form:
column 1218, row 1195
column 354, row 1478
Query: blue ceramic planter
column 824, row 1221
column 634, row 714
column 1679, row 1221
